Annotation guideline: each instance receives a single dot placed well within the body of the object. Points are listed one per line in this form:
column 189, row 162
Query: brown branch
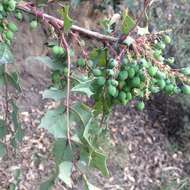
column 27, row 7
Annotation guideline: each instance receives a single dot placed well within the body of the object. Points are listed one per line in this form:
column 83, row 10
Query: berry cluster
column 8, row 28
column 138, row 77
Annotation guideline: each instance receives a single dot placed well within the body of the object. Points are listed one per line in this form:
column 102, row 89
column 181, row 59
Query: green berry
column 9, row 35
column 19, row 15
column 171, row 60
column 161, row 83
column 112, row 63
column 129, row 96
column 81, row 62
column 131, row 72
column 135, row 82
column 97, row 72
column 186, row 89
column 12, row 27
column 56, row 50
column 169, row 88
column 112, row 90
column 140, row 106
column 126, row 89
column 185, row 71
column 122, row 96
column 152, row 71
column 167, row 39
column 157, row 55
column 100, row 81
column 11, row 5
column 123, row 75
column 33, row 24
column 110, row 72
column 114, row 82
column 144, row 63
column 65, row 71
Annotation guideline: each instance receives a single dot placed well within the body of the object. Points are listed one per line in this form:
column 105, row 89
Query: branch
column 27, row 7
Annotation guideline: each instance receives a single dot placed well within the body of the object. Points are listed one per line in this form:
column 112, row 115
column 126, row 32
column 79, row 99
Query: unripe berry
column 186, row 89
column 9, row 35
column 33, row 24
column 12, row 27
column 167, row 39
column 152, row 71
column 112, row 90
column 140, row 106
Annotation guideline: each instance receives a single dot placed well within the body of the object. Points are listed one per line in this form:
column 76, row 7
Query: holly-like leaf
column 55, row 122
column 54, row 93
column 14, row 80
column 59, row 149
column 6, row 56
column 81, row 113
column 65, row 171
column 84, row 87
column 98, row 160
column 47, row 185
column 51, row 63
column 91, row 132
column 64, row 12
column 88, row 185
column 2, row 150
column 127, row 23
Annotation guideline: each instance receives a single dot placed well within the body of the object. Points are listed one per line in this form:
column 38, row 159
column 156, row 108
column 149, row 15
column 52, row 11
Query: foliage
column 128, row 66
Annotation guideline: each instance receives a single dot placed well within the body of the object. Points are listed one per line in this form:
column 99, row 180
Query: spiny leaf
column 89, row 186
column 55, row 122
column 84, row 87
column 98, row 161
column 81, row 113
column 6, row 56
column 64, row 12
column 58, row 150
column 54, row 93
column 51, row 63
column 65, row 171
column 127, row 23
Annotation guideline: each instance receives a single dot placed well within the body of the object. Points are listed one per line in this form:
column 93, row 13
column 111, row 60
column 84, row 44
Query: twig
column 67, row 49
column 27, row 7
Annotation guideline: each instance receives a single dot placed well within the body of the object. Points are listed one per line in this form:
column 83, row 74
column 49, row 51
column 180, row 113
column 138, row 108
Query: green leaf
column 98, row 160
column 47, row 185
column 14, row 115
column 90, row 133
column 14, row 80
column 59, row 149
column 64, row 12
column 3, row 130
column 6, row 56
column 89, row 186
column 55, row 122
column 51, row 63
column 81, row 113
column 54, row 93
column 99, row 56
column 2, row 150
column 84, row 87
column 65, row 171
column 127, row 23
